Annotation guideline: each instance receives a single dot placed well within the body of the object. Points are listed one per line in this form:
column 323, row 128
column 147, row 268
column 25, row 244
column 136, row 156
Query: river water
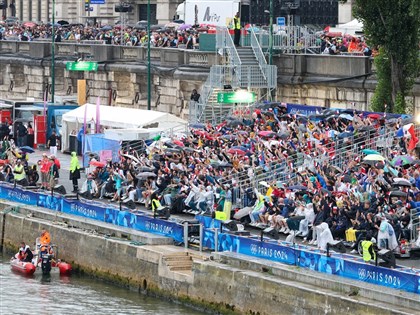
column 75, row 295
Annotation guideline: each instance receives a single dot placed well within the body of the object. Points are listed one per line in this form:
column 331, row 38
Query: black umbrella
column 234, row 123
column 62, row 22
column 106, row 28
column 397, row 193
column 402, row 183
column 139, row 27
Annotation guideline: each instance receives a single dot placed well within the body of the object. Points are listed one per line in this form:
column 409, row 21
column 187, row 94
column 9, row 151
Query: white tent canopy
column 348, row 28
column 112, row 117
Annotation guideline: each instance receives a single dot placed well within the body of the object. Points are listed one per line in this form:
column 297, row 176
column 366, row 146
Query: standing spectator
column 45, row 165
column 53, row 172
column 74, row 171
column 237, row 29
column 52, row 143
column 30, row 136
column 21, row 134
column 195, row 96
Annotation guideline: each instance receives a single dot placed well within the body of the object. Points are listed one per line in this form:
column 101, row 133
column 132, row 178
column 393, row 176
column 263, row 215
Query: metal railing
column 415, row 224
column 256, row 48
column 337, row 153
column 224, row 41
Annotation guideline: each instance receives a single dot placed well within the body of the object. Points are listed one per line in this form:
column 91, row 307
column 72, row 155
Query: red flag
column 413, row 139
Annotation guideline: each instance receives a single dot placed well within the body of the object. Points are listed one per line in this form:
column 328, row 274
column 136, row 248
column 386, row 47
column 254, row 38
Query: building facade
column 94, row 11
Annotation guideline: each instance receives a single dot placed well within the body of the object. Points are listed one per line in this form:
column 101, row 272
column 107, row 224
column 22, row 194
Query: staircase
column 181, row 261
column 242, row 68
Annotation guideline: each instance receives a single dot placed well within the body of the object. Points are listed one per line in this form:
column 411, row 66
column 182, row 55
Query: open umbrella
column 146, row 169
column 236, row 151
column 298, row 187
column 402, row 182
column 29, row 24
column 106, row 28
column 97, row 163
column 374, row 116
column 346, row 116
column 373, row 157
column 402, row 160
column 63, row 22
column 197, row 126
column 145, row 175
column 370, row 151
column 220, row 164
column 398, row 193
column 184, row 27
column 235, row 123
column 27, row 149
column 266, row 133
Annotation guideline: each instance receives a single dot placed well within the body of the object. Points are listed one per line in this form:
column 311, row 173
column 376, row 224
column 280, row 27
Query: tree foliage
column 394, row 26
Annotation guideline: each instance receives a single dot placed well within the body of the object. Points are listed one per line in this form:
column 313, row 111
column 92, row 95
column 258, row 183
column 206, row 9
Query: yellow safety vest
column 366, row 253
column 236, row 23
column 21, row 175
column 155, row 204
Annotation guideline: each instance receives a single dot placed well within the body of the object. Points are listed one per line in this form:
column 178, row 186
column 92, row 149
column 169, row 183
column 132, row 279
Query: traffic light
column 123, row 8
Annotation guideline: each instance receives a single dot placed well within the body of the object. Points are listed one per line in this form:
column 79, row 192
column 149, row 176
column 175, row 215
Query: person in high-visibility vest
column 19, row 173
column 368, row 252
column 237, row 29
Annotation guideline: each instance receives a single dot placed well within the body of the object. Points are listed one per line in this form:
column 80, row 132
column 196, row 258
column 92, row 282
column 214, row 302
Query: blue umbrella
column 298, row 187
column 239, row 147
column 345, row 135
column 27, row 149
column 197, row 126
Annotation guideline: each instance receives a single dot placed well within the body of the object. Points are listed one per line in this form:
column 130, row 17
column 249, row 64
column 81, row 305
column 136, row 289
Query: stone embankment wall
column 322, row 80
column 220, row 286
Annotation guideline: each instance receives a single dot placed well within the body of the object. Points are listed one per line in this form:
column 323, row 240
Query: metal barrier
column 200, row 234
column 415, row 224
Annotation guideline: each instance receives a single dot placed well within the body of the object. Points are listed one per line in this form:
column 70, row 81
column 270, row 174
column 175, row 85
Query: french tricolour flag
column 408, row 132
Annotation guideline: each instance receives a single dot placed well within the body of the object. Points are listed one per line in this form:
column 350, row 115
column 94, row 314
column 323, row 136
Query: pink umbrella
column 180, row 143
column 266, row 133
column 236, row 151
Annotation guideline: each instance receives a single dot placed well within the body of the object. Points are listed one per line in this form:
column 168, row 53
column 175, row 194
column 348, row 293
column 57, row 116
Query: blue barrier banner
column 18, row 195
column 93, row 210
column 208, row 222
column 348, row 266
column 307, row 257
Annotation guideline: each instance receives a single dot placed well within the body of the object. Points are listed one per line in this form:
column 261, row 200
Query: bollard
column 186, row 235
column 201, row 237
column 216, row 240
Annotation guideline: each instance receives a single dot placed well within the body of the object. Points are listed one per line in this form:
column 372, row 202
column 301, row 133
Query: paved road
column 64, row 180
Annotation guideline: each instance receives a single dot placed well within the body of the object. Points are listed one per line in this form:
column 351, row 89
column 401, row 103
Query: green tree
column 394, row 26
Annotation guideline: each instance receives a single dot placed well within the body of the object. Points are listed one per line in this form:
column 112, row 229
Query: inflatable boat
column 28, row 269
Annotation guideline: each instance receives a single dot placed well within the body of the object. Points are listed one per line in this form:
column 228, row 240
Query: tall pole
column 53, row 53
column 149, row 85
column 271, row 32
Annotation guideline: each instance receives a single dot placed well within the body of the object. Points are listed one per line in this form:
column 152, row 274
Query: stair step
column 189, row 264
column 180, row 268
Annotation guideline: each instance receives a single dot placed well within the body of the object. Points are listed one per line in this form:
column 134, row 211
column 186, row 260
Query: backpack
column 57, row 163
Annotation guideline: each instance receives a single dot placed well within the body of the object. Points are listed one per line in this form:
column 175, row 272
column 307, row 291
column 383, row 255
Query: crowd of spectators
column 334, row 171
column 347, row 44
column 214, row 168
column 174, row 35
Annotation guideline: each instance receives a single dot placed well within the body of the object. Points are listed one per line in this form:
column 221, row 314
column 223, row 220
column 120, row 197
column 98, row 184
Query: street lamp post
column 53, row 53
column 149, row 85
